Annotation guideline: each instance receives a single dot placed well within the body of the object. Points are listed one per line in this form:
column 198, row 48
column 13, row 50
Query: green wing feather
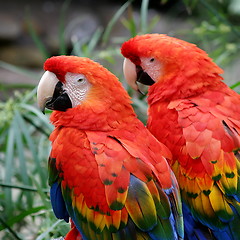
column 53, row 173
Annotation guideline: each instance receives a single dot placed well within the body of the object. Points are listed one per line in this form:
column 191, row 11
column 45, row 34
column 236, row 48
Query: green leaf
column 130, row 25
column 44, row 148
column 39, row 114
column 29, row 96
column 6, row 226
column 77, row 48
column 37, row 40
column 44, row 234
column 219, row 16
column 9, row 169
column 190, row 5
column 153, row 23
column 21, row 216
column 21, row 157
column 143, row 16
column 22, row 187
column 32, row 148
column 94, row 40
column 63, row 46
column 235, row 85
column 42, row 194
column 113, row 21
column 8, row 86
column 3, row 137
column 18, row 70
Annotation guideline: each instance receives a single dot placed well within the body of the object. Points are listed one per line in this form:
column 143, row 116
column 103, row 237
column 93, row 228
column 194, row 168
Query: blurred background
column 31, row 31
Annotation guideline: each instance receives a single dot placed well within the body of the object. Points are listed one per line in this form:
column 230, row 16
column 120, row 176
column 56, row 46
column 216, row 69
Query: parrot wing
column 133, row 204
column 57, row 201
column 208, row 171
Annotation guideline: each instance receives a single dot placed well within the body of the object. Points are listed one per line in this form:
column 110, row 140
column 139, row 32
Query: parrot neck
column 95, row 119
column 180, row 87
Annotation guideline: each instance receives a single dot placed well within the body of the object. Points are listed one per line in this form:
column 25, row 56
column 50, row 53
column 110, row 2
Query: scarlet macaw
column 106, row 171
column 197, row 117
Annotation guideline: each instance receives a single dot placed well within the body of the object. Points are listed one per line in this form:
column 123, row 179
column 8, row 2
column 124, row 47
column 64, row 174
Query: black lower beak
column 143, row 77
column 60, row 100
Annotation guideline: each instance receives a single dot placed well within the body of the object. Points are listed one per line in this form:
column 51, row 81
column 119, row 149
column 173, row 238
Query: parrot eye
column 80, row 80
column 76, row 79
column 152, row 60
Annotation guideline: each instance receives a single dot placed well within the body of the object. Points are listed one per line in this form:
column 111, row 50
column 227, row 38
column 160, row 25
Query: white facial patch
column 152, row 67
column 77, row 87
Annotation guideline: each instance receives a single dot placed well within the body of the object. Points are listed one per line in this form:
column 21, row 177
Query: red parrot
column 197, row 117
column 106, row 171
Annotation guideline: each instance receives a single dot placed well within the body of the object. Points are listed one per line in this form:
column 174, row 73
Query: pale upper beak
column 130, row 74
column 46, row 88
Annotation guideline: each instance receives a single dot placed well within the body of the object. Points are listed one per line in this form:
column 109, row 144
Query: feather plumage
column 197, row 117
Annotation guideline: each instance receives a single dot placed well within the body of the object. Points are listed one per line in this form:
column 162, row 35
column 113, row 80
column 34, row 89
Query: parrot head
column 158, row 58
column 79, row 87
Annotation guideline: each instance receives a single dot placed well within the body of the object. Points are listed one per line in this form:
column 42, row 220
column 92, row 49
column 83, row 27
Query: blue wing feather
column 194, row 230
column 58, row 204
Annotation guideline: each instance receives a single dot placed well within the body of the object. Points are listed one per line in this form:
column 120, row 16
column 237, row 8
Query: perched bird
column 106, row 171
column 197, row 117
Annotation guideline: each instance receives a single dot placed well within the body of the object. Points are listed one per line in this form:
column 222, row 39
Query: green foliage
column 24, row 149
column 24, row 130
column 217, row 31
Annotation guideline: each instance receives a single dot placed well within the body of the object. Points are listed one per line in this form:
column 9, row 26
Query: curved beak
column 134, row 74
column 46, row 89
column 51, row 93
column 130, row 74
